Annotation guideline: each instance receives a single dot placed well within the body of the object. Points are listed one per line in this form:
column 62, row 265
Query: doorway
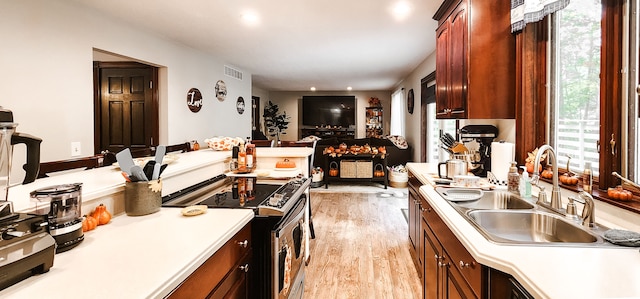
column 427, row 96
column 125, row 106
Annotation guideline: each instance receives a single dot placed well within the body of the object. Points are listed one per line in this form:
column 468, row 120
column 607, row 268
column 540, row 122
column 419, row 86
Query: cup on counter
column 467, row 181
column 142, row 197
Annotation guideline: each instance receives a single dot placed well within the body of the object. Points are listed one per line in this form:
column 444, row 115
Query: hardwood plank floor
column 361, row 249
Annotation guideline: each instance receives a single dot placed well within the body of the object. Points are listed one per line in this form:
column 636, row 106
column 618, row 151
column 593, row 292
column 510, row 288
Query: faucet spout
column 555, row 192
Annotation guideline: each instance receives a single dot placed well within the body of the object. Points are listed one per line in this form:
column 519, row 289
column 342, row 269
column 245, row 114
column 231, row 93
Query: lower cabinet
column 415, row 222
column 449, row 271
column 225, row 274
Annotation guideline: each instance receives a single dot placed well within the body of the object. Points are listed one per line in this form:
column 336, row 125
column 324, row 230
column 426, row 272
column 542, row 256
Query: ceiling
column 292, row 45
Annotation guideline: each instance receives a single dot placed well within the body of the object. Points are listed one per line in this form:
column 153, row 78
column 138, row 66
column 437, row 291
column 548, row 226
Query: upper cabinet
column 475, row 60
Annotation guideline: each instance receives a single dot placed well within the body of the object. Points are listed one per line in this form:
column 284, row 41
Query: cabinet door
column 431, row 258
column 456, row 286
column 236, row 284
column 442, row 70
column 458, row 61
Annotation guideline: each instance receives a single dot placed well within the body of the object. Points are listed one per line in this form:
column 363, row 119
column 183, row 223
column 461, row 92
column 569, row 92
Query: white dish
column 460, row 194
column 286, row 169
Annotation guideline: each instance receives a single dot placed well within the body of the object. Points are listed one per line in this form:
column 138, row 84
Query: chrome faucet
column 556, row 202
column 589, row 209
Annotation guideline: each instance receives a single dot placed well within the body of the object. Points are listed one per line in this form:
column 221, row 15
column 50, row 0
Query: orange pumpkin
column 547, row 174
column 567, row 179
column 333, row 168
column 101, row 214
column 89, row 223
column 285, row 164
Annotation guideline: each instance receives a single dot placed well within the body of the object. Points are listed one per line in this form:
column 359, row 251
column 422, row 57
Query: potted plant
column 274, row 121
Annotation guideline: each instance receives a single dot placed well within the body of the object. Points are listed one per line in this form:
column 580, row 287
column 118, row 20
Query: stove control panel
column 279, row 202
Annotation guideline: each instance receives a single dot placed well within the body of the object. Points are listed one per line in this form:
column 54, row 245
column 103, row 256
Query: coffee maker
column 482, row 136
column 61, row 205
column 26, row 248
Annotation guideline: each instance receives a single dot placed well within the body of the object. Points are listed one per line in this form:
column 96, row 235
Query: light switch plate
column 76, row 149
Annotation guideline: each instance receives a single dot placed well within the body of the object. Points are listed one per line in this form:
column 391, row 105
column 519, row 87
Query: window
column 397, row 113
column 575, row 77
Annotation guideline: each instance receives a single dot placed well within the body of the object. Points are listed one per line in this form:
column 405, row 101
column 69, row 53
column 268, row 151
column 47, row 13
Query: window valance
column 529, row 11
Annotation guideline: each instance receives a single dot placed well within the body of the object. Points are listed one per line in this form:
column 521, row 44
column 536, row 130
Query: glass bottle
column 587, row 178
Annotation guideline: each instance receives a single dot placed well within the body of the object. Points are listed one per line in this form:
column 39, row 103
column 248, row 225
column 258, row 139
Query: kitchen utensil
column 160, row 152
column 62, row 206
column 125, row 160
column 453, row 167
column 137, row 172
column 162, row 168
column 149, row 168
column 8, row 138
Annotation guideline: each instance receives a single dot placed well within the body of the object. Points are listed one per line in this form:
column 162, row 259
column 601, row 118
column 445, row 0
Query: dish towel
column 529, row 11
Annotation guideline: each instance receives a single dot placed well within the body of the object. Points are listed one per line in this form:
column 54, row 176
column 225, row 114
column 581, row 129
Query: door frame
column 97, row 99
column 424, row 125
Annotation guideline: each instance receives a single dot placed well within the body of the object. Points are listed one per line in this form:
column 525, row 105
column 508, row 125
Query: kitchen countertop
column 135, row 257
column 549, row 272
column 138, row 257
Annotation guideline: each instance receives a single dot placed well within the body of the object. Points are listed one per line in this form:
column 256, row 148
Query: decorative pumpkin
column 343, row 147
column 89, row 223
column 530, row 168
column 382, row 150
column 547, row 173
column 101, row 214
column 333, row 168
column 285, row 164
column 567, row 179
column 378, row 171
column 618, row 193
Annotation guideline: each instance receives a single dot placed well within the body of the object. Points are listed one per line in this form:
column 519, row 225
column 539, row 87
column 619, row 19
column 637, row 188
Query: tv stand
column 326, row 132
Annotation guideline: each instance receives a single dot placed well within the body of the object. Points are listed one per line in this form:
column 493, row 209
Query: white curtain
column 529, row 11
column 397, row 113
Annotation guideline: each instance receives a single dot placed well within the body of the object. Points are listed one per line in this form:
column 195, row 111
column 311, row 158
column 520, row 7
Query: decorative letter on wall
column 194, row 100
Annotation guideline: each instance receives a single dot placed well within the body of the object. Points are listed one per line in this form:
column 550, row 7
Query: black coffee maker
column 483, row 135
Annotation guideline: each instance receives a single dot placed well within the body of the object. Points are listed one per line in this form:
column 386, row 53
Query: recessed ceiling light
column 349, row 88
column 313, row 88
column 250, row 18
column 401, row 10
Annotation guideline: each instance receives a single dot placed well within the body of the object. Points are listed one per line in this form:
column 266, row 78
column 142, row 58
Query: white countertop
column 547, row 272
column 135, row 257
column 145, row 256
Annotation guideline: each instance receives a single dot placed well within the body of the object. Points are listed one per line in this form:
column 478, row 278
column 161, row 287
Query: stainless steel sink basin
column 496, row 200
column 529, row 227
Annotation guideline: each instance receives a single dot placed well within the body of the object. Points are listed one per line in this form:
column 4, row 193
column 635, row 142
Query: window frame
column 533, row 92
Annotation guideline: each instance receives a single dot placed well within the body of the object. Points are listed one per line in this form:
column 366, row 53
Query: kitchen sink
column 495, row 200
column 530, row 227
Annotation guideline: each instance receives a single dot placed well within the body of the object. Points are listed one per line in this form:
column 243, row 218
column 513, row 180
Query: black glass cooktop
column 237, row 197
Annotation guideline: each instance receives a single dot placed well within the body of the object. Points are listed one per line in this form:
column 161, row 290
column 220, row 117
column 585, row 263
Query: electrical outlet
column 76, row 149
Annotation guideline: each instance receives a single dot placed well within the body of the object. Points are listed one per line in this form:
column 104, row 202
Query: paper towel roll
column 502, row 154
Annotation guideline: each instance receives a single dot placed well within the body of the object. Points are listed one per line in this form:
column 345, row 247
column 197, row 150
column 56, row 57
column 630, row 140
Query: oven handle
column 294, row 215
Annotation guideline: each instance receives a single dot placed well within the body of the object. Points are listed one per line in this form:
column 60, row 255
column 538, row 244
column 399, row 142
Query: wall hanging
column 194, row 100
column 221, row 90
column 240, row 105
column 410, row 101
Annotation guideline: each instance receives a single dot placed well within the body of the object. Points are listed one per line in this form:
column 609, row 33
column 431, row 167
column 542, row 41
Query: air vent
column 231, row 72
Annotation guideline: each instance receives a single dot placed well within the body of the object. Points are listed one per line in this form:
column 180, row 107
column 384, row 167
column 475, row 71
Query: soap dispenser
column 525, row 183
column 513, row 178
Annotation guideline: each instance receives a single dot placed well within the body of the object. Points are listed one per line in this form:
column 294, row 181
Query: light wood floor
column 361, row 248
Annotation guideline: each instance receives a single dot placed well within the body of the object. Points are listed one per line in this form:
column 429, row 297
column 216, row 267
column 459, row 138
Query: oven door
column 288, row 250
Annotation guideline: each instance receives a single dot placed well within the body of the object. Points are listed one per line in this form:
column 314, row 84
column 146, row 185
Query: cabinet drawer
column 207, row 277
column 460, row 257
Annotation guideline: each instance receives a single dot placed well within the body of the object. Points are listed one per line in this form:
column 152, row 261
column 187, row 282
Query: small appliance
column 26, row 248
column 62, row 206
column 482, row 136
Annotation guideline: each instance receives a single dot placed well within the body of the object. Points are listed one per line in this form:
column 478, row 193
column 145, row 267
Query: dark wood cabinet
column 475, row 60
column 415, row 221
column 225, row 274
column 449, row 271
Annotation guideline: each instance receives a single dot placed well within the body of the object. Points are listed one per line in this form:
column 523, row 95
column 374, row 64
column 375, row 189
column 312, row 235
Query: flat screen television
column 329, row 110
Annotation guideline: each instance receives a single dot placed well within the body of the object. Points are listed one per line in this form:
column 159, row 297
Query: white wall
column 289, row 101
column 47, row 77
